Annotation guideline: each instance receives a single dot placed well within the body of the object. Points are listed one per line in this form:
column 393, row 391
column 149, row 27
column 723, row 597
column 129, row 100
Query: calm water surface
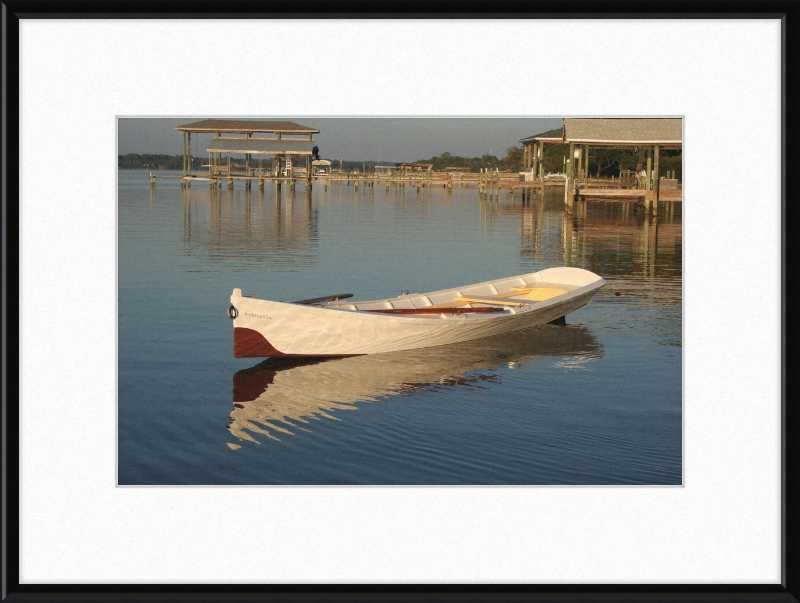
column 596, row 402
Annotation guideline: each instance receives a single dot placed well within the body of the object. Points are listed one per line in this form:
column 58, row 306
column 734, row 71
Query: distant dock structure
column 289, row 147
column 647, row 136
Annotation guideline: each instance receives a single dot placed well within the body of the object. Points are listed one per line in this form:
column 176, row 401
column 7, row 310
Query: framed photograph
column 398, row 303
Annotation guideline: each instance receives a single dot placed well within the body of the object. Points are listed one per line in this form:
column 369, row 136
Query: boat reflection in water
column 280, row 395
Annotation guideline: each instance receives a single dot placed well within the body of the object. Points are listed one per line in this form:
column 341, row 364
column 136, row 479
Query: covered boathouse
column 648, row 136
column 289, row 146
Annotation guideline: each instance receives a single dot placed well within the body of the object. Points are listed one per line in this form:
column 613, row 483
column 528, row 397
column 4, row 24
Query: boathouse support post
column 569, row 190
column 656, row 179
column 648, row 194
column 247, row 164
column 586, row 164
column 531, row 157
column 183, row 168
column 541, row 162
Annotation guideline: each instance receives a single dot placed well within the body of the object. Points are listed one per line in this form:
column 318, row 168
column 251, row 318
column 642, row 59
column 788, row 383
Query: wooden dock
column 625, row 194
column 520, row 184
column 611, row 192
column 487, row 183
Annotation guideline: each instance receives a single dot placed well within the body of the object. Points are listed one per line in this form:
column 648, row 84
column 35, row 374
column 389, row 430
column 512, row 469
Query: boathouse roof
column 263, row 146
column 556, row 135
column 247, row 126
column 615, row 131
column 624, row 131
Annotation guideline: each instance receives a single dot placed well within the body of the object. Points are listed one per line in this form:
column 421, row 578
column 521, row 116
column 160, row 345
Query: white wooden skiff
column 264, row 328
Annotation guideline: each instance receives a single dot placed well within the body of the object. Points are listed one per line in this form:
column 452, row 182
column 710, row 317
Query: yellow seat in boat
column 515, row 297
column 540, row 293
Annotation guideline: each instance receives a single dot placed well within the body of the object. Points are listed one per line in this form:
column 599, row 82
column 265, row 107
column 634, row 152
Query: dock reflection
column 280, row 396
column 279, row 226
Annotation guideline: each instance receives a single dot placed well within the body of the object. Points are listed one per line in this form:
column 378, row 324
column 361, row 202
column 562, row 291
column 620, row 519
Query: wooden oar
column 319, row 300
column 430, row 310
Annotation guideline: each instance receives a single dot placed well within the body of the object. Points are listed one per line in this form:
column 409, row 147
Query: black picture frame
column 788, row 11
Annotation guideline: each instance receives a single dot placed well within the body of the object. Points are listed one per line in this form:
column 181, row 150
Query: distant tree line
column 150, row 161
column 512, row 161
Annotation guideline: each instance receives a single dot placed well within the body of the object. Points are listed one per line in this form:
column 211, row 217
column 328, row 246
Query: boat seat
column 517, row 295
column 490, row 299
column 539, row 293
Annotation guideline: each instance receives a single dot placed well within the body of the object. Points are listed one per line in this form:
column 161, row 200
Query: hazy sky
column 358, row 139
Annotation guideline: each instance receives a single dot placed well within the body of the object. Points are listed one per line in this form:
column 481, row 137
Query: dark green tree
column 512, row 160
